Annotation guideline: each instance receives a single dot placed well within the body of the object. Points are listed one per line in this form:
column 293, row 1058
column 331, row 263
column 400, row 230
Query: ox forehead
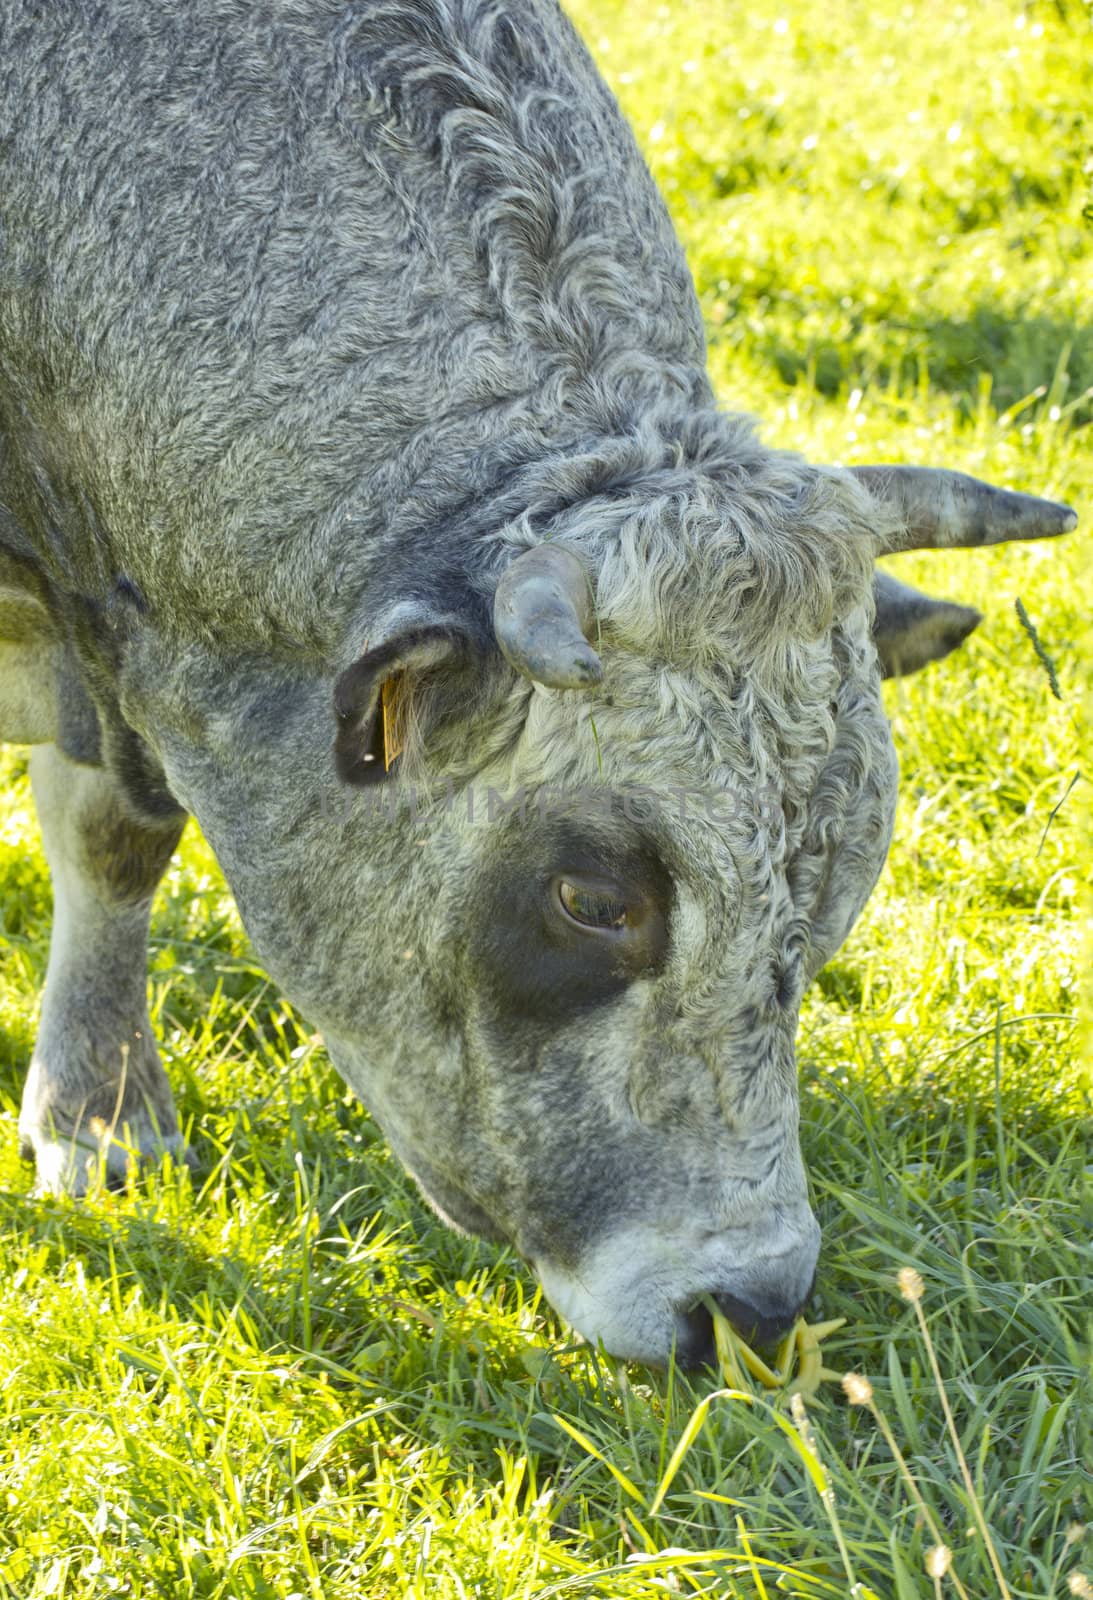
column 357, row 458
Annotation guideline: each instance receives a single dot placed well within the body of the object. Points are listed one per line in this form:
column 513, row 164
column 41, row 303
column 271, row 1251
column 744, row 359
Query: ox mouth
column 761, row 1329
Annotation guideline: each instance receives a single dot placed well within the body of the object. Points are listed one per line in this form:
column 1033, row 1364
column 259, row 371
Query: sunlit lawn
column 285, row 1378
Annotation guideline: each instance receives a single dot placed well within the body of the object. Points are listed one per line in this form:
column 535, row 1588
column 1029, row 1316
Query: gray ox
column 347, row 344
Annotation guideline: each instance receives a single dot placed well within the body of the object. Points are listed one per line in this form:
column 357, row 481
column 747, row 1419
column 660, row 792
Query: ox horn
column 542, row 615
column 942, row 510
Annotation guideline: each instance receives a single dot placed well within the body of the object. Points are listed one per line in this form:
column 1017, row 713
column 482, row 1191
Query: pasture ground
column 284, row 1378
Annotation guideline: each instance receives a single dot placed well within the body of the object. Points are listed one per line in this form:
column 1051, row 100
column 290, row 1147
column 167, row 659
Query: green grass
column 283, row 1378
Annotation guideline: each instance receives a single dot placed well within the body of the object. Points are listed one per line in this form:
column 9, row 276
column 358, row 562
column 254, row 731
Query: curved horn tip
column 1043, row 519
column 573, row 665
column 554, row 661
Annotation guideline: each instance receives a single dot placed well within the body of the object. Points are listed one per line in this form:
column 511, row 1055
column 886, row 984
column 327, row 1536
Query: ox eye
column 592, row 907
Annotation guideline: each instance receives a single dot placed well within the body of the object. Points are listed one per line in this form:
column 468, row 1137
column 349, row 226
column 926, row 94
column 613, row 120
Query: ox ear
column 373, row 698
column 910, row 629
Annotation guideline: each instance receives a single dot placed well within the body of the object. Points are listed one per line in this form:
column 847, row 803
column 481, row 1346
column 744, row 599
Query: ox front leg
column 96, row 1091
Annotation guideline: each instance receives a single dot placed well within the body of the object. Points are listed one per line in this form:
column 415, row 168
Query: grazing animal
column 363, row 495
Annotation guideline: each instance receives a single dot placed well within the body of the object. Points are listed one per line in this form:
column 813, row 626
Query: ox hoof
column 76, row 1165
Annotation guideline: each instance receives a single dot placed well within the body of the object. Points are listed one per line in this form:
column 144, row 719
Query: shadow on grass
column 427, row 1347
column 1023, row 356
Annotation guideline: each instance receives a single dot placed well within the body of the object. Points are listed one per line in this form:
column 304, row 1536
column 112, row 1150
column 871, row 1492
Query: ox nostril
column 694, row 1338
column 757, row 1325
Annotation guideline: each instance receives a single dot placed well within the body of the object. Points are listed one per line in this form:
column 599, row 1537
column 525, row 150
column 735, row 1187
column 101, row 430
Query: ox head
column 675, row 702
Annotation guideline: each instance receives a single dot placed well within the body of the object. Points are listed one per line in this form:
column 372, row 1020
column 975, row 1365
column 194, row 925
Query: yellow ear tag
column 393, row 736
